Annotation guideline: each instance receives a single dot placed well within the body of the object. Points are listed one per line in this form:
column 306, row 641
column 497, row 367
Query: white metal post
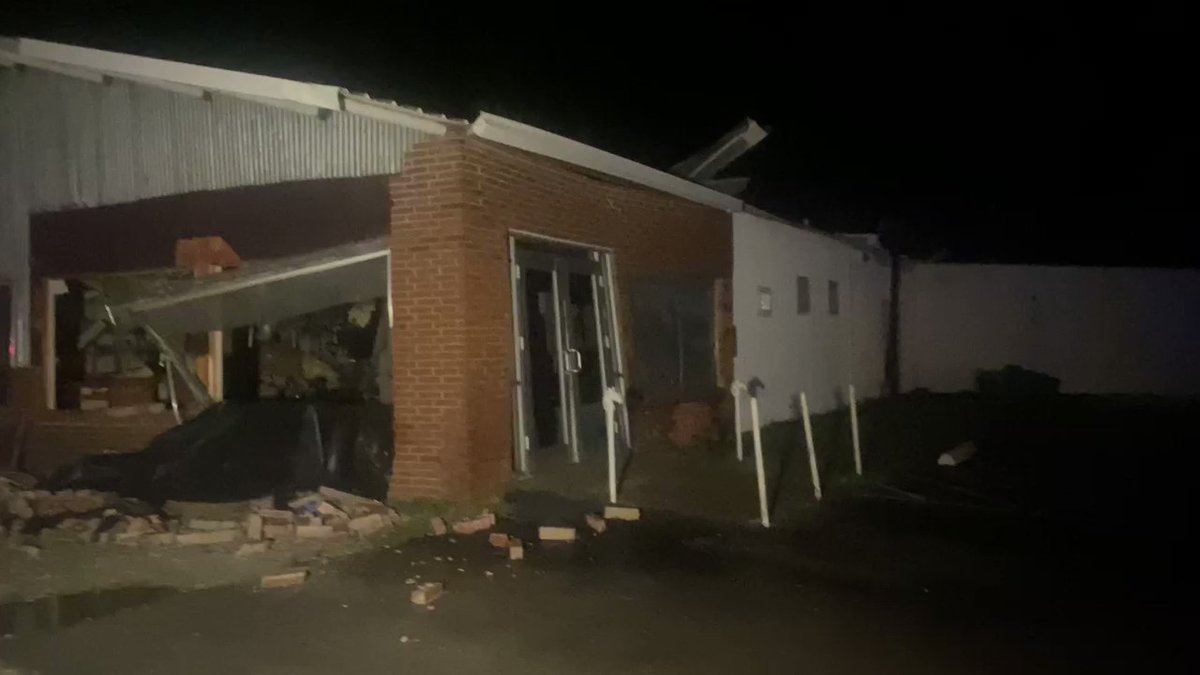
column 736, row 390
column 521, row 447
column 758, row 461
column 618, row 358
column 560, row 361
column 854, row 432
column 812, row 451
column 612, row 397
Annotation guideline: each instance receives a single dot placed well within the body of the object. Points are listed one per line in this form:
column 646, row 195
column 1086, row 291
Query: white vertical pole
column 758, row 463
column 612, row 397
column 854, row 431
column 522, row 448
column 618, row 357
column 812, row 452
column 736, row 390
column 560, row 362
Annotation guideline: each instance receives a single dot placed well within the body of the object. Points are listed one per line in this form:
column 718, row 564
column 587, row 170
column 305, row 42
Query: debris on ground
column 438, row 525
column 613, row 512
column 957, row 455
column 252, row 548
column 516, row 549
column 209, row 537
column 368, row 524
column 209, row 525
column 426, row 593
column 44, row 518
column 551, row 533
column 284, row 580
column 314, row 531
column 595, row 522
column 498, row 539
column 254, row 527
column 484, row 521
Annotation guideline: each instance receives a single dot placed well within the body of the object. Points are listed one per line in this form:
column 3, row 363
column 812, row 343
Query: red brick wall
column 452, row 211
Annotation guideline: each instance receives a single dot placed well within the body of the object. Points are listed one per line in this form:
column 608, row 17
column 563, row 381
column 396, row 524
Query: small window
column 834, row 303
column 764, row 301
column 803, row 299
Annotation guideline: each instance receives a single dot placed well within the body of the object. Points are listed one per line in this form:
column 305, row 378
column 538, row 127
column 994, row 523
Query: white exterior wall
column 1099, row 330
column 817, row 353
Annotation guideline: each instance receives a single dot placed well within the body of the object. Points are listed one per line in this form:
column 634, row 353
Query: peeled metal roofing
column 82, row 127
column 172, row 301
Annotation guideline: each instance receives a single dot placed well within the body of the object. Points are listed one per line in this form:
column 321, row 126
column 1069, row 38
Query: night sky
column 1004, row 138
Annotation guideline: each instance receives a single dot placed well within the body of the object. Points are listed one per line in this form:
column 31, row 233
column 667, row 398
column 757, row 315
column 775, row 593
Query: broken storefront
column 521, row 287
column 294, row 347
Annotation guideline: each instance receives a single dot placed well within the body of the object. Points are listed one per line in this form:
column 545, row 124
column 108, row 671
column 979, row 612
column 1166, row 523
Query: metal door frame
column 599, row 267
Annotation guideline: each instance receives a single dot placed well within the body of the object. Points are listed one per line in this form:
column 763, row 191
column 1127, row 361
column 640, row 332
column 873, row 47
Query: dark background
column 1001, row 136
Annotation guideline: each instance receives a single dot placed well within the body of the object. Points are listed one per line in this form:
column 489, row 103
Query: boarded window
column 673, row 340
column 834, row 302
column 803, row 298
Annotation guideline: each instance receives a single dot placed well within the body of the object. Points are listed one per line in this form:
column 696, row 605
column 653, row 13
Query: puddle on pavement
column 61, row 611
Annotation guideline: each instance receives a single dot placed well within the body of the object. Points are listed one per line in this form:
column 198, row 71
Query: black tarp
column 238, row 451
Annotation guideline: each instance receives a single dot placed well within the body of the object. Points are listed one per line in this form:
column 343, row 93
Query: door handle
column 573, row 361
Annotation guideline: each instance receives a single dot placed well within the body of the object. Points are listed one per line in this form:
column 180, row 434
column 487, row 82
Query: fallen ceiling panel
column 260, row 292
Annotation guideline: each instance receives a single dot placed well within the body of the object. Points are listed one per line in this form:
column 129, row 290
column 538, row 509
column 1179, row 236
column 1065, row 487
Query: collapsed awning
column 259, row 292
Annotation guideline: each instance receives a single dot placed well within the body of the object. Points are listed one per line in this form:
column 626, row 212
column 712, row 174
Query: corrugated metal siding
column 67, row 142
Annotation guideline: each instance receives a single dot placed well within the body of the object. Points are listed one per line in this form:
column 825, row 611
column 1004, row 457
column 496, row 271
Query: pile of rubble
column 426, row 593
column 32, row 519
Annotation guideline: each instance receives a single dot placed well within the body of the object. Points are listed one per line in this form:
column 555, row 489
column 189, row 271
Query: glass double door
column 568, row 351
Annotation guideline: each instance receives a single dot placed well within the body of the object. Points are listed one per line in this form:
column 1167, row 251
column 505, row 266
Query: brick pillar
column 452, row 334
column 429, row 213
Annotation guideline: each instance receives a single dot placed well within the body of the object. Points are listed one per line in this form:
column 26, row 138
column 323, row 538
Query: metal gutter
column 309, row 98
column 204, row 77
column 538, row 141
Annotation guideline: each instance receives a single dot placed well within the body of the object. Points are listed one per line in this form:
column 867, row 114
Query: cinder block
column 595, row 522
column 548, row 533
column 313, row 531
column 283, row 580
column 364, row 525
column 277, row 516
column 612, row 512
column 159, row 538
column 427, row 593
column 327, row 509
column 206, row 524
column 252, row 548
column 276, row 532
column 478, row 524
column 254, row 527
column 209, row 537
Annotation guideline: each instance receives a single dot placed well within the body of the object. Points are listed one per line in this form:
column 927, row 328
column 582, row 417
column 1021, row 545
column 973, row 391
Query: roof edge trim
column 538, row 141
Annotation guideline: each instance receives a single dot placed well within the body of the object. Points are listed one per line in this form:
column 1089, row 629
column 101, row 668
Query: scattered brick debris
column 550, row 533
column 284, row 580
column 426, row 593
column 613, row 512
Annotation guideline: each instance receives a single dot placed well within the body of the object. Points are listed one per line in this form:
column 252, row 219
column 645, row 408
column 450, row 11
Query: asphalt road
column 866, row 587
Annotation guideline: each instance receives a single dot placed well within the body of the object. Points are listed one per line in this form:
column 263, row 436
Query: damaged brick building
column 521, row 272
